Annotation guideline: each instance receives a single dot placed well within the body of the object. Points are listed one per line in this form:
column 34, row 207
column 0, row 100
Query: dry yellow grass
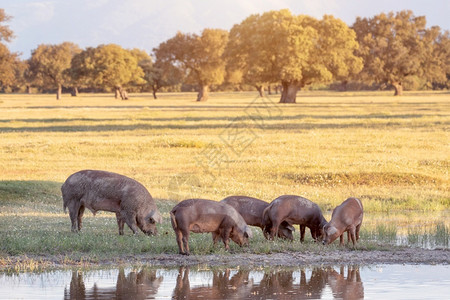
column 391, row 152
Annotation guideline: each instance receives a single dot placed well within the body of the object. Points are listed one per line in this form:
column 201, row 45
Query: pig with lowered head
column 200, row 215
column 346, row 217
column 294, row 210
column 251, row 209
column 101, row 190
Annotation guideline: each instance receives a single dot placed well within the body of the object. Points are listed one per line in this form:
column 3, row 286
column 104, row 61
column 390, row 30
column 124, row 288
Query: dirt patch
column 329, row 257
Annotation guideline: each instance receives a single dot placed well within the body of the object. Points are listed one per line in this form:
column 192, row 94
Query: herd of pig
column 227, row 219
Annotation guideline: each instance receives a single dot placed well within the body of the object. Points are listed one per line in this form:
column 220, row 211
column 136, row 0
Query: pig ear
column 249, row 232
column 331, row 230
column 155, row 217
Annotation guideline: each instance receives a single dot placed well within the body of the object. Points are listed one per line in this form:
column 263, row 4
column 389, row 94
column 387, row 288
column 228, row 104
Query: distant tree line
column 274, row 49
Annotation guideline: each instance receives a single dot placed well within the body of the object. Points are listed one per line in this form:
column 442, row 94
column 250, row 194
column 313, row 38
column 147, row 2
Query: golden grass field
column 391, row 152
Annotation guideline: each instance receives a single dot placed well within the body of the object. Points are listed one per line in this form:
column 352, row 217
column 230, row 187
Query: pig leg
column 178, row 233
column 80, row 216
column 352, row 234
column 313, row 233
column 357, row 231
column 179, row 237
column 274, row 229
column 341, row 240
column 266, row 232
column 302, row 232
column 185, row 240
column 226, row 238
column 216, row 236
column 276, row 220
column 73, row 218
column 181, row 229
column 73, row 213
column 120, row 223
column 130, row 219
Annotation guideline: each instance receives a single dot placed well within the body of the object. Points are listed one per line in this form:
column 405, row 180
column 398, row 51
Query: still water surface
column 338, row 282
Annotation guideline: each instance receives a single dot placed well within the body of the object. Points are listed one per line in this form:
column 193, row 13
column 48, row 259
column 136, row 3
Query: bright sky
column 144, row 24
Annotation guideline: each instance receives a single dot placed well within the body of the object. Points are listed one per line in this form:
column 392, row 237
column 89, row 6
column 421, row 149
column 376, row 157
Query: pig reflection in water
column 274, row 284
column 137, row 285
column 346, row 288
column 223, row 287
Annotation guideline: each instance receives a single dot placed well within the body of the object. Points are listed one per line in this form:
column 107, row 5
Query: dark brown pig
column 347, row 217
column 251, row 209
column 200, row 215
column 101, row 190
column 294, row 210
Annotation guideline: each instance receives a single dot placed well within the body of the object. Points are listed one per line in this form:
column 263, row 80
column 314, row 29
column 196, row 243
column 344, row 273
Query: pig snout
column 150, row 230
column 154, row 232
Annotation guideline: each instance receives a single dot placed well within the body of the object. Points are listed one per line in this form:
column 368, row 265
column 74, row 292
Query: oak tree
column 160, row 74
column 395, row 46
column 6, row 34
column 9, row 61
column 436, row 63
column 109, row 67
column 199, row 57
column 296, row 50
column 48, row 65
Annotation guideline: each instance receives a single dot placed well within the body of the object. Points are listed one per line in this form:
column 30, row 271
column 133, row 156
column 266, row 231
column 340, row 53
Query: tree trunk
column 203, row 94
column 154, row 89
column 116, row 92
column 59, row 92
column 398, row 88
column 289, row 93
column 260, row 89
column 122, row 93
column 269, row 90
column 74, row 92
column 28, row 89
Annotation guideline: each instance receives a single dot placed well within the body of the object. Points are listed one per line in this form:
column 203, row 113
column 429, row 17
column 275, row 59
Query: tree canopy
column 395, row 46
column 199, row 57
column 107, row 66
column 49, row 64
column 6, row 34
column 275, row 47
column 294, row 50
column 9, row 62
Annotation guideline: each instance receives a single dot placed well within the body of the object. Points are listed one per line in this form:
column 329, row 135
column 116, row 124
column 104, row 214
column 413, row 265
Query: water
column 338, row 282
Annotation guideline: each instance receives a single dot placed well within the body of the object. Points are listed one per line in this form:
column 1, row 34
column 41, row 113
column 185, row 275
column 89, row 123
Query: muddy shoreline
column 288, row 259
column 401, row 256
